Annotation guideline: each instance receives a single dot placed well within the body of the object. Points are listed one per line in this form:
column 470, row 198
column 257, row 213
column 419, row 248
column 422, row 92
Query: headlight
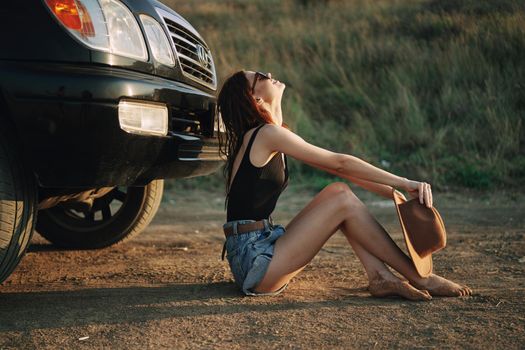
column 105, row 25
column 124, row 33
column 158, row 41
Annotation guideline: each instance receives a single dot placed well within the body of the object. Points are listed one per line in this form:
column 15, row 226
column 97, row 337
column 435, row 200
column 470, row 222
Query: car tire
column 18, row 205
column 104, row 225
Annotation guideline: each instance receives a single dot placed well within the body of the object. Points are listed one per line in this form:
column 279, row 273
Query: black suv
column 99, row 101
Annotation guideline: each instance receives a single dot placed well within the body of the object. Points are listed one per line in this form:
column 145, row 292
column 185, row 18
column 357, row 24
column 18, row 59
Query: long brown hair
column 239, row 113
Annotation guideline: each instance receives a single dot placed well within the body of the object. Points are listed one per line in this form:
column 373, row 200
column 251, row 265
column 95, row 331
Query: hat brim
column 423, row 265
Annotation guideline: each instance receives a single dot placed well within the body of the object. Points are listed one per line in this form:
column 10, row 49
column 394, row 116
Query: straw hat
column 423, row 229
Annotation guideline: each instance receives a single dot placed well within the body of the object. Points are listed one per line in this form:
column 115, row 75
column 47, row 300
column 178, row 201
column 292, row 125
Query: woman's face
column 269, row 90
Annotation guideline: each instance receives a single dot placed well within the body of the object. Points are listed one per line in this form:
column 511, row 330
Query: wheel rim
column 104, row 212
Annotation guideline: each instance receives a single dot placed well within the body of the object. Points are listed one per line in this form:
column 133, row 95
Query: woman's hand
column 420, row 189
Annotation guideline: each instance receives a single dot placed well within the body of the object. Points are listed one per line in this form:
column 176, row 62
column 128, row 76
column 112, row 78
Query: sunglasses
column 258, row 76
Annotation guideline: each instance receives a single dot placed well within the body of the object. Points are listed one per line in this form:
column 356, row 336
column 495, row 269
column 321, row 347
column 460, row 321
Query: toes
column 444, row 287
column 464, row 290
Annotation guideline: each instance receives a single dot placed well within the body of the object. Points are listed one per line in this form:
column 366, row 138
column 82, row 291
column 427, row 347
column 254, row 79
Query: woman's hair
column 240, row 113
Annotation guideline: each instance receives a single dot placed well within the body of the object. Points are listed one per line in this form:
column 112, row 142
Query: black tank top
column 254, row 191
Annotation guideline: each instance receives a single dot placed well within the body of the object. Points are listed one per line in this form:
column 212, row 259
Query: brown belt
column 243, row 228
column 247, row 227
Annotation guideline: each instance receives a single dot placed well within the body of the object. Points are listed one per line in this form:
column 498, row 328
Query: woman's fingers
column 431, row 199
column 427, row 194
column 424, row 192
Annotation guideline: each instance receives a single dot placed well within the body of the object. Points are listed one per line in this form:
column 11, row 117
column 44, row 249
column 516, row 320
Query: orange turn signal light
column 67, row 12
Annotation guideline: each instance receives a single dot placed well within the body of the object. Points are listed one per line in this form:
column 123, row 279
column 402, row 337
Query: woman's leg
column 309, row 230
column 364, row 223
column 372, row 265
column 381, row 281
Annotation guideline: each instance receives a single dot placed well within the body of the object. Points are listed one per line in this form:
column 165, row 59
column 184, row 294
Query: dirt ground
column 168, row 288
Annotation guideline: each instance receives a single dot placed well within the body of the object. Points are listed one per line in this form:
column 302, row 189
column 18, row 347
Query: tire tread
column 17, row 206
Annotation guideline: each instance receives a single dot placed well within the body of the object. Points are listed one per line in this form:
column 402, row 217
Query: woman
column 264, row 257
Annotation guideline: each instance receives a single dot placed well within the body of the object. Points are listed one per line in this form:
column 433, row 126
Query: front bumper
column 66, row 117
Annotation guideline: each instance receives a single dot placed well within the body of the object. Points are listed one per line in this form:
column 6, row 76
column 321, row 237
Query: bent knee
column 342, row 195
column 338, row 187
column 345, row 199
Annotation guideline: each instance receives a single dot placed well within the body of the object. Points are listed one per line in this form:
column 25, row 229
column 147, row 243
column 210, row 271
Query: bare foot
column 380, row 287
column 439, row 286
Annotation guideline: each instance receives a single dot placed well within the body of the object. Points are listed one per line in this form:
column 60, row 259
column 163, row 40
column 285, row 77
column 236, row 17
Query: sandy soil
column 169, row 288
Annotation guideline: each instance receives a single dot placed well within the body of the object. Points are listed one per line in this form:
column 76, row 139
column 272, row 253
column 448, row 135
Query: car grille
column 194, row 55
column 192, row 122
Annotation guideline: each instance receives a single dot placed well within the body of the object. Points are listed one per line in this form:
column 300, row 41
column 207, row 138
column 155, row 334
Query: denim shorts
column 250, row 253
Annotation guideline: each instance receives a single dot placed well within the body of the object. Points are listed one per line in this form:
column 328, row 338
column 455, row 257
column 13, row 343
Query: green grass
column 435, row 88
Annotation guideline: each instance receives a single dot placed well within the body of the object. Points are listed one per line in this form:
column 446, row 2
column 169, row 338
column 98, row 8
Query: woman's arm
column 276, row 138
column 377, row 188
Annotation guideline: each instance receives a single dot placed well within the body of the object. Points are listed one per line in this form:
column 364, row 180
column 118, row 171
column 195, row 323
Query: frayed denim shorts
column 250, row 253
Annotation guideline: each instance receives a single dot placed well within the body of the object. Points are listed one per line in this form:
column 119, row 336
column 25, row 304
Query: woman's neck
column 276, row 112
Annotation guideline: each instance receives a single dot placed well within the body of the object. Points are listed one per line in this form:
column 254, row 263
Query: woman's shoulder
column 274, row 130
column 275, row 134
column 276, row 138
column 262, row 131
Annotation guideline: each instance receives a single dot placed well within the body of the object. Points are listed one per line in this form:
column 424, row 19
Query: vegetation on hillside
column 430, row 90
